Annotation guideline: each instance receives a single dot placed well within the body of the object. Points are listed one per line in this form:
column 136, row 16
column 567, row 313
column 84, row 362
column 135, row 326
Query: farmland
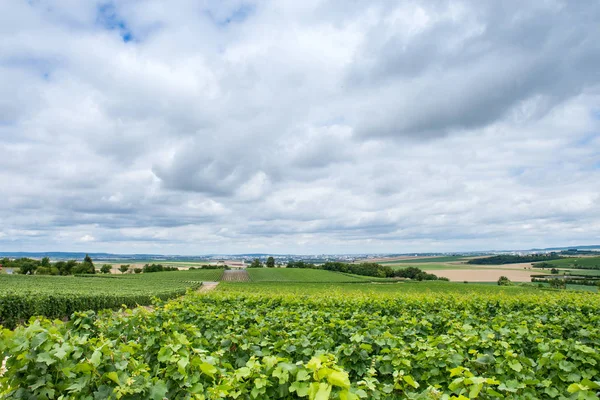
column 579, row 262
column 23, row 296
column 425, row 260
column 419, row 340
column 302, row 275
column 236, row 276
column 430, row 266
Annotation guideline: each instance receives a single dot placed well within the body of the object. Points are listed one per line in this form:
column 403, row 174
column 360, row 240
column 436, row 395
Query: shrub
column 504, row 281
column 105, row 269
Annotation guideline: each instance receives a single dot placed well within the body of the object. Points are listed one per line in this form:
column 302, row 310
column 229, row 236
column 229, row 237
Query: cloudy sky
column 314, row 126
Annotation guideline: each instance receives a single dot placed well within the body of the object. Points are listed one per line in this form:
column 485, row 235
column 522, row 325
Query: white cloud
column 317, row 126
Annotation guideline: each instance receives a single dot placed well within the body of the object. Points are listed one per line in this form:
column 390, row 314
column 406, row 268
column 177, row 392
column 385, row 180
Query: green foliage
column 124, row 268
column 259, row 344
column 86, row 267
column 158, row 268
column 137, row 270
column 558, row 283
column 56, row 297
column 415, row 274
column 591, row 263
column 300, row 264
column 88, row 260
column 209, row 266
column 45, row 262
column 504, row 281
column 513, row 259
column 255, row 264
column 270, row 262
column 26, row 266
column 300, row 275
column 364, row 269
column 105, row 269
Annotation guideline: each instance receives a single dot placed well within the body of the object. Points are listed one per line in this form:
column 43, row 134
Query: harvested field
column 485, row 275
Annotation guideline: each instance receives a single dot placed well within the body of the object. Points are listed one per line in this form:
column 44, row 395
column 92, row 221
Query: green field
column 23, row 296
column 280, row 340
column 376, row 289
column 106, row 284
column 587, row 262
column 426, row 260
column 302, row 275
column 585, row 272
column 430, row 266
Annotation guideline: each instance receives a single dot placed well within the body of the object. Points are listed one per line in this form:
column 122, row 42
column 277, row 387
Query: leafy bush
column 260, row 345
column 255, row 264
column 158, row 268
column 504, row 281
column 415, row 274
column 105, row 269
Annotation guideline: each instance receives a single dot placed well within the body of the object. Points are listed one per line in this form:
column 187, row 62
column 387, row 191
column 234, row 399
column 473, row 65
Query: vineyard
column 318, row 341
column 302, row 275
column 236, row 276
column 23, row 296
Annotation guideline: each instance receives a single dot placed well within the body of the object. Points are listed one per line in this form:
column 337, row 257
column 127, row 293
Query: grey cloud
column 468, row 72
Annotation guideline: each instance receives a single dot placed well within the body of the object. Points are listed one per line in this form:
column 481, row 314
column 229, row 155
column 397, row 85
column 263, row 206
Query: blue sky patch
column 237, row 16
column 111, row 20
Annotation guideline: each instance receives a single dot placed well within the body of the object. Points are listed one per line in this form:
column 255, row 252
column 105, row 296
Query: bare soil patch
column 208, row 286
column 485, row 274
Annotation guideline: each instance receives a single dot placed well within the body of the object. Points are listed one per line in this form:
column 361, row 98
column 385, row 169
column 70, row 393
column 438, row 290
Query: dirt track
column 208, row 286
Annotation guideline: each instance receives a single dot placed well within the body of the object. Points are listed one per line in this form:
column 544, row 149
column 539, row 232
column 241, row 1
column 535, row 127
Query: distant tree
column 137, row 270
column 45, row 262
column 70, row 267
column 106, row 269
column 514, row 259
column 87, row 266
column 255, row 264
column 158, row 268
column 88, row 259
column 60, row 266
column 270, row 262
column 554, row 271
column 28, row 267
column 504, row 281
column 414, row 273
column 124, row 268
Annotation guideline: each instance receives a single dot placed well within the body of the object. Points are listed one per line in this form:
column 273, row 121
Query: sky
column 306, row 127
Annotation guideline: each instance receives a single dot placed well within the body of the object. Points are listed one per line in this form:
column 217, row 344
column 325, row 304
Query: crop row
column 349, row 345
column 22, row 297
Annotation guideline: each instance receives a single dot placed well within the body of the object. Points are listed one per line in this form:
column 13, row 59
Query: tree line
column 369, row 269
column 256, row 263
column 513, row 259
column 29, row 266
